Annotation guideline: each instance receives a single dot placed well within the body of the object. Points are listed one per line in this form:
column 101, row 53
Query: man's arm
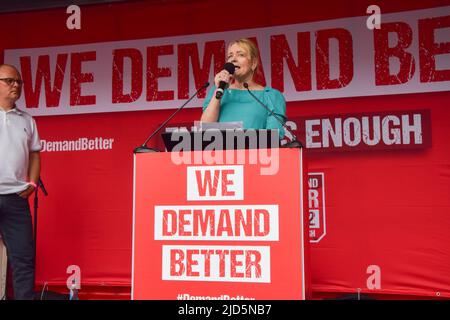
column 34, row 170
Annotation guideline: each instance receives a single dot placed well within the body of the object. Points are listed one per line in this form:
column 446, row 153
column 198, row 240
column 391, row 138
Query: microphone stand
column 40, row 184
column 143, row 148
column 292, row 144
column 50, row 295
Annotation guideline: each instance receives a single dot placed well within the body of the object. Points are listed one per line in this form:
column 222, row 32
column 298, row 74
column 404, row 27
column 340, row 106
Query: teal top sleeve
column 209, row 97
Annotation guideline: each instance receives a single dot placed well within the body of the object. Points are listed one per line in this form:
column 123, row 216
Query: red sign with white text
column 316, row 206
column 218, row 231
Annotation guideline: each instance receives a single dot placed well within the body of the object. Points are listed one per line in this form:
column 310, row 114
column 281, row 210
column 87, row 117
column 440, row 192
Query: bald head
column 10, row 89
column 8, row 67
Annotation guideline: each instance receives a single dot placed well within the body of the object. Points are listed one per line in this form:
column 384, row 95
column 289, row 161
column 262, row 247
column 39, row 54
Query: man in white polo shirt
column 19, row 174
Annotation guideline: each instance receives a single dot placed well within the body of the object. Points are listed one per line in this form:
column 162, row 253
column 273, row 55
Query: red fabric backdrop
column 388, row 208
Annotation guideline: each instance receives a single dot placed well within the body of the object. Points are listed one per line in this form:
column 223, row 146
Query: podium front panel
column 218, row 225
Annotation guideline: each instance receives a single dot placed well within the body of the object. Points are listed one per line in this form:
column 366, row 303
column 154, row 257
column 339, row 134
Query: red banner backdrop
column 371, row 107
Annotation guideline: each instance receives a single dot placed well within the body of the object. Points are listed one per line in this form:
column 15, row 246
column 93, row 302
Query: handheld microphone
column 222, row 84
column 143, row 148
column 294, row 143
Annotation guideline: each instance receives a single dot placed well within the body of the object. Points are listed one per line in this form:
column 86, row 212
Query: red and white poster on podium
column 207, row 231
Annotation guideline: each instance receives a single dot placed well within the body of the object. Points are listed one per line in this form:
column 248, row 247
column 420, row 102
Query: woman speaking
column 235, row 102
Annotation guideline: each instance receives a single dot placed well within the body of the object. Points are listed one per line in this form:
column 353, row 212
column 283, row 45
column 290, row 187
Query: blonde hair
column 251, row 48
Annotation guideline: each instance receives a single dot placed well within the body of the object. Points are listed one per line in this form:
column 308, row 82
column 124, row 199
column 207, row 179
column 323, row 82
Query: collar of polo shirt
column 14, row 109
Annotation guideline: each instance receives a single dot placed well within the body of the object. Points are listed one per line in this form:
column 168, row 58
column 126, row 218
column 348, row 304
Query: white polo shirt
column 18, row 137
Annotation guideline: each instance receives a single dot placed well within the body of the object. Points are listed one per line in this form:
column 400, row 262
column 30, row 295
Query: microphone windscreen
column 229, row 67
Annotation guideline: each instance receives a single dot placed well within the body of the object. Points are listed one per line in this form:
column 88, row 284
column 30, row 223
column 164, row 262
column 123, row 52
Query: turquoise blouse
column 239, row 105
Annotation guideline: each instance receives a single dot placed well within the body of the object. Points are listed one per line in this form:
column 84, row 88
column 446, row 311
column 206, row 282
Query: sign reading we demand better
column 218, row 231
